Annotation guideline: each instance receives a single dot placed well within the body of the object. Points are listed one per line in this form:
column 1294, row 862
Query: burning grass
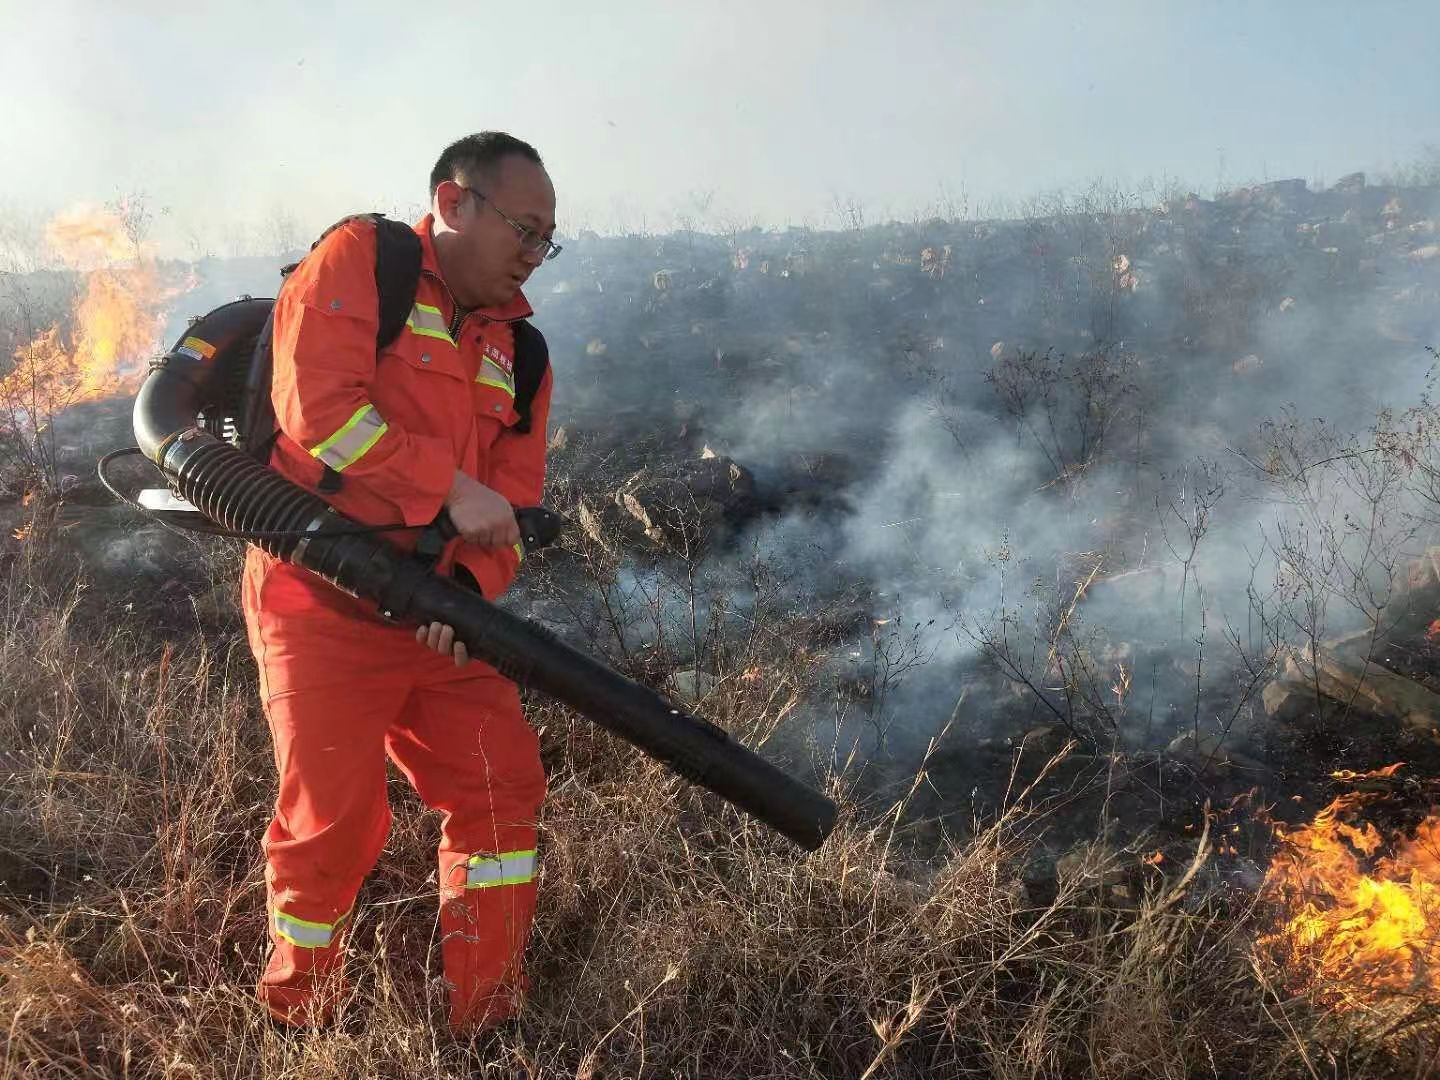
column 1361, row 930
column 115, row 326
column 674, row 937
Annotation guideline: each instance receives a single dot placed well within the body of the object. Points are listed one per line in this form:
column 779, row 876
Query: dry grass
column 674, row 938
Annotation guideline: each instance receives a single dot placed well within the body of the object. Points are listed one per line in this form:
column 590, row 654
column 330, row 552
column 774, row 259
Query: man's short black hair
column 477, row 156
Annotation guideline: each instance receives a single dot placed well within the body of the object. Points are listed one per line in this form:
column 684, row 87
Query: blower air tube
column 233, row 489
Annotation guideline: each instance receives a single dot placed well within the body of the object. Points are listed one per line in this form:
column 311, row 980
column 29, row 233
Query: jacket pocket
column 430, row 358
column 494, row 402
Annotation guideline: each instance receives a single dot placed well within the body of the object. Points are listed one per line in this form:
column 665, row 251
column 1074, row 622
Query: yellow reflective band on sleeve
column 520, row 552
column 507, row 868
column 303, row 933
column 349, row 444
column 427, row 321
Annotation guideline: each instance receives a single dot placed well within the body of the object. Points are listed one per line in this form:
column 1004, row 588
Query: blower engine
column 188, row 416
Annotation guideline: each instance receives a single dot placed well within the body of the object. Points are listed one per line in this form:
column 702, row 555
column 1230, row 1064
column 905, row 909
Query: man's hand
column 441, row 638
column 481, row 516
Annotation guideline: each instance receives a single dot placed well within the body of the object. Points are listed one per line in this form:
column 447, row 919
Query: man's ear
column 449, row 203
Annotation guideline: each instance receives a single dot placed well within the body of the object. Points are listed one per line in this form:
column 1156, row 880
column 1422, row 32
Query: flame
column 117, row 324
column 87, row 237
column 22, row 533
column 1363, row 912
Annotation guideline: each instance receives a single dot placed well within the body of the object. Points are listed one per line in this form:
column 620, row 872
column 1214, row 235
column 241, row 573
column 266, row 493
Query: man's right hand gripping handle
column 482, row 516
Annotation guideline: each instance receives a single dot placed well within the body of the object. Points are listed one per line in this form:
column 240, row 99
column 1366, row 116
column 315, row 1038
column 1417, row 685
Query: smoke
column 971, row 423
column 1011, row 407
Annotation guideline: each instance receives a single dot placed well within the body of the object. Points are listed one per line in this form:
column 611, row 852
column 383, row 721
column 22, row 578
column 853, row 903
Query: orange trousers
column 342, row 689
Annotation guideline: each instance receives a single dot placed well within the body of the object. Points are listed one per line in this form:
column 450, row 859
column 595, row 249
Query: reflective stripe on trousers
column 304, row 933
column 507, row 868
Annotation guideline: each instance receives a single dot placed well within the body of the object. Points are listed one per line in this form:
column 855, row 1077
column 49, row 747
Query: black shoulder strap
column 398, row 255
column 532, row 357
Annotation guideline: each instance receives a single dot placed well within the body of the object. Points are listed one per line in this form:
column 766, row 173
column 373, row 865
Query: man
column 429, row 424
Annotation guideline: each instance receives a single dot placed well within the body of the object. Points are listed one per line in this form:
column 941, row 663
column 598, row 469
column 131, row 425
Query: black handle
column 539, row 527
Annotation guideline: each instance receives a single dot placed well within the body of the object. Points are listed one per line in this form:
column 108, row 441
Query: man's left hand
column 441, row 638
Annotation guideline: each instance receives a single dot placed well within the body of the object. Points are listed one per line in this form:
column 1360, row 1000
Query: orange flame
column 117, row 323
column 117, row 326
column 1359, row 928
column 87, row 237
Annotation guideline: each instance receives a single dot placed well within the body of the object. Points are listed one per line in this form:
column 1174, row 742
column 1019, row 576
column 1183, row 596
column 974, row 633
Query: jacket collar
column 516, row 308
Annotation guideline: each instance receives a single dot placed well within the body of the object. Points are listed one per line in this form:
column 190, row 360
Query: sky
column 227, row 116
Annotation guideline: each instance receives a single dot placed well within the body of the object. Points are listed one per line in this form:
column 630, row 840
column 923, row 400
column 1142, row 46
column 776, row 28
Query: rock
column 663, row 508
column 684, row 512
column 1046, row 740
column 1210, row 751
column 1274, row 195
column 1347, row 673
column 1288, row 698
column 1092, row 866
column 602, row 522
column 692, row 684
column 722, row 479
column 1350, row 184
column 935, row 261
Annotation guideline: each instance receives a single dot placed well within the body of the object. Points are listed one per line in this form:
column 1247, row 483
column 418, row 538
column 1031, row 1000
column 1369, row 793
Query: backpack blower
column 192, row 421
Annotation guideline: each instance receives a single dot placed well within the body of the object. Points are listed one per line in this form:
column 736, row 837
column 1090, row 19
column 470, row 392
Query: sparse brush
column 674, row 937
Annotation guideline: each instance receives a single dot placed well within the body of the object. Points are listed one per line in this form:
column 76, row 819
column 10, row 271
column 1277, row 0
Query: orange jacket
column 396, row 427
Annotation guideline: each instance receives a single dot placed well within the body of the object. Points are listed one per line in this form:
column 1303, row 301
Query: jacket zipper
column 457, row 319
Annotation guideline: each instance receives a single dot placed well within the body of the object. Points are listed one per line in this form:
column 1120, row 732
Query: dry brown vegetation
column 674, row 938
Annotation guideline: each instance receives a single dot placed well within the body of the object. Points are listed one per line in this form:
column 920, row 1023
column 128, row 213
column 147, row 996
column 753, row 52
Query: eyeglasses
column 530, row 240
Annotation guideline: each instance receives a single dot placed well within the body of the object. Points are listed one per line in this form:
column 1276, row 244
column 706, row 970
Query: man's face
column 483, row 257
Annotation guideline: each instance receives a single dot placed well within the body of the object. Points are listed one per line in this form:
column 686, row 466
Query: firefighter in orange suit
column 426, row 424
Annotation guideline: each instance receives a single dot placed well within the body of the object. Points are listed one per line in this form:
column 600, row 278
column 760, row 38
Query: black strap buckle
column 433, row 538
